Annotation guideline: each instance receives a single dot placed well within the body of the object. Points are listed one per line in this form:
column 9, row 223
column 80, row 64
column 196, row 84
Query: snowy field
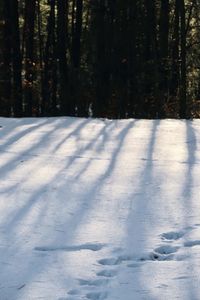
column 99, row 209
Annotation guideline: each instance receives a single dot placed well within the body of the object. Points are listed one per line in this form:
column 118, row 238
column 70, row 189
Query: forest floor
column 99, row 209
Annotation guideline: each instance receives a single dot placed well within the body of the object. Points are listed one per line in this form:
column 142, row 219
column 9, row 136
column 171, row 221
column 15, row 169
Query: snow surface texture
column 99, row 209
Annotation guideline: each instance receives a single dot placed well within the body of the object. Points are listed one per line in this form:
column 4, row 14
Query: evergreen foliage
column 100, row 58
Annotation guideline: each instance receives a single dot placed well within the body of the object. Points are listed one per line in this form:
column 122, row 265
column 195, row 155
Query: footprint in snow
column 97, row 295
column 154, row 256
column 113, row 261
column 176, row 235
column 166, row 249
column 134, row 265
column 192, row 243
column 96, row 282
column 109, row 261
column 107, row 273
column 73, row 292
column 162, row 253
column 172, row 235
column 76, row 293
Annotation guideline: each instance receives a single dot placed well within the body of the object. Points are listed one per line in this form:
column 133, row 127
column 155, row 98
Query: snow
column 99, row 209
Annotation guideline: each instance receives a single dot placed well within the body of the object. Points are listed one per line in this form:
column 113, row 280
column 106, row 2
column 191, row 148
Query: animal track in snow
column 107, row 273
column 166, row 249
column 96, row 282
column 163, row 253
column 73, row 292
column 97, row 295
column 113, row 261
column 192, row 243
column 87, row 246
column 158, row 257
column 109, row 261
column 153, row 256
column 172, row 235
column 176, row 235
column 134, row 265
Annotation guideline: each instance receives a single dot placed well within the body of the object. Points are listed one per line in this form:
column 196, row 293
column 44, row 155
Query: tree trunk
column 49, row 85
column 5, row 59
column 30, row 9
column 183, row 96
column 76, row 38
column 151, row 106
column 16, row 60
column 62, row 32
column 175, row 55
column 101, row 66
column 76, row 59
column 163, row 54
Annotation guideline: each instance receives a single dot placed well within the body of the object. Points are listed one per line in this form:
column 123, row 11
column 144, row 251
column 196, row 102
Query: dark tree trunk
column 16, row 60
column 164, row 54
column 76, row 58
column 175, row 54
column 5, row 59
column 41, row 56
column 30, row 12
column 76, row 38
column 62, row 33
column 151, row 60
column 132, row 60
column 101, row 67
column 183, row 96
column 49, row 85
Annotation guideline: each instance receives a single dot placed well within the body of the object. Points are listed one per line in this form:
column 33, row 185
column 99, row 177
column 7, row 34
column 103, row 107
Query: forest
column 100, row 58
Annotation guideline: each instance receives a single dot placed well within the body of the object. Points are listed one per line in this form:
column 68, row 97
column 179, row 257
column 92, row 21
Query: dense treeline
column 101, row 58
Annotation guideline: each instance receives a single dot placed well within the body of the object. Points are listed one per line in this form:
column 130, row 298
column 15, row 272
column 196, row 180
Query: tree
column 5, row 59
column 76, row 36
column 183, row 95
column 16, row 58
column 62, row 35
column 102, row 58
column 164, row 55
column 29, row 24
column 49, row 84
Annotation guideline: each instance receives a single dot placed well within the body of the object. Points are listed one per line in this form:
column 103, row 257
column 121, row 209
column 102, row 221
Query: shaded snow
column 99, row 209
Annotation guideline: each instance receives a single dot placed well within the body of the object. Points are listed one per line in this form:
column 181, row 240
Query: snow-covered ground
column 99, row 209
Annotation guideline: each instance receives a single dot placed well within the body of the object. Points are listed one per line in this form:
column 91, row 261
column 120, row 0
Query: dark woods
column 100, row 58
